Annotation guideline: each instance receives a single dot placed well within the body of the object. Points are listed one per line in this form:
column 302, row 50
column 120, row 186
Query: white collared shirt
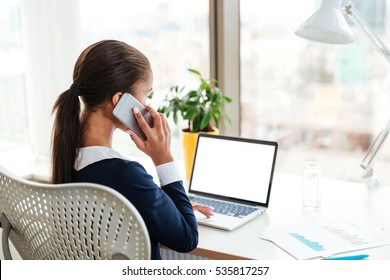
column 167, row 173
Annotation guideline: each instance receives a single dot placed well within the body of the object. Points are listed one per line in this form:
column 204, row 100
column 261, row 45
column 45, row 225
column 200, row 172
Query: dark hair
column 102, row 69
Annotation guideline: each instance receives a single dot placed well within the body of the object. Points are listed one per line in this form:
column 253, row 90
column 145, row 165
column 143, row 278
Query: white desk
column 339, row 199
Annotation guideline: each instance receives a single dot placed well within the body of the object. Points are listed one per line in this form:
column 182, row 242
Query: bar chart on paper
column 316, row 246
column 324, row 237
column 351, row 238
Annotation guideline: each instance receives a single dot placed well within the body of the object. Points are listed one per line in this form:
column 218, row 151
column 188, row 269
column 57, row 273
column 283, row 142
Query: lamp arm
column 358, row 19
column 373, row 152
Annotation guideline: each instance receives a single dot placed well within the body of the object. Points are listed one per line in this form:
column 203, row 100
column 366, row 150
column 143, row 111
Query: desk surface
column 339, row 199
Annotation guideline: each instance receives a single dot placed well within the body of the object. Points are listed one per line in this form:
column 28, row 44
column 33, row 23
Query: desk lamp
column 327, row 25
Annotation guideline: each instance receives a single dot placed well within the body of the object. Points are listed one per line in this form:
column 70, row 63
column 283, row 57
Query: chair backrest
column 69, row 221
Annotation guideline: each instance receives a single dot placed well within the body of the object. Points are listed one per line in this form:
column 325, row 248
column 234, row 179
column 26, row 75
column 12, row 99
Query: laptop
column 234, row 176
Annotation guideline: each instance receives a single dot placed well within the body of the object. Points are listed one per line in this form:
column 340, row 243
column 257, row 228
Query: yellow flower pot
column 188, row 141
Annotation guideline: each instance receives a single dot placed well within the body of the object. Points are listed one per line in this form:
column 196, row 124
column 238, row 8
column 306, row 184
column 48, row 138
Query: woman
column 82, row 143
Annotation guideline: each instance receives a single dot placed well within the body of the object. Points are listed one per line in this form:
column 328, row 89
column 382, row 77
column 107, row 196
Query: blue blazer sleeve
column 167, row 211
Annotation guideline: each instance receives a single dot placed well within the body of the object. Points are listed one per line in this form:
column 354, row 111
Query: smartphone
column 123, row 111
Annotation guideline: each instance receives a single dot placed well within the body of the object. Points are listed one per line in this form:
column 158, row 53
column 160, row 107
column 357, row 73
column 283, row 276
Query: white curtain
column 51, row 40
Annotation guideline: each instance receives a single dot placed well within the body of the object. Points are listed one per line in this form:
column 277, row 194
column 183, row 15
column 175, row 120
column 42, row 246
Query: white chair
column 69, row 221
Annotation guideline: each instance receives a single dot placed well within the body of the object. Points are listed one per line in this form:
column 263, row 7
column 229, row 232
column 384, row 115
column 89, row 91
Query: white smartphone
column 123, row 111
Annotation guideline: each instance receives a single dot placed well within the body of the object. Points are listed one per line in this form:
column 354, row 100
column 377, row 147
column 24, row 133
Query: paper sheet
column 322, row 237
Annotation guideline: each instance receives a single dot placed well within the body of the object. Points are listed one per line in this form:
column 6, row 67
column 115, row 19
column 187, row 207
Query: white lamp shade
column 326, row 25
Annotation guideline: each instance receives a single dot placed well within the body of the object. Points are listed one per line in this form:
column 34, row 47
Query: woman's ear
column 115, row 98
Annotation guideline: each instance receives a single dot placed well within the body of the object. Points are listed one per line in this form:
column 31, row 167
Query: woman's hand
column 158, row 138
column 205, row 210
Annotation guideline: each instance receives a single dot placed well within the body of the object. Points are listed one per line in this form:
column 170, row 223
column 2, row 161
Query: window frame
column 225, row 57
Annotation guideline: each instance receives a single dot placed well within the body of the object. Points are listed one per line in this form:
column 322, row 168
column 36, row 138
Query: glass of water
column 311, row 185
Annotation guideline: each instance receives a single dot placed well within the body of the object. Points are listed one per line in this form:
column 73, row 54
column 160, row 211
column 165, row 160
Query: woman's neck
column 97, row 130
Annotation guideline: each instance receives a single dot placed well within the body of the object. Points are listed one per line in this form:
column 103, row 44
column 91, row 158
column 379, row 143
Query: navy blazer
column 167, row 211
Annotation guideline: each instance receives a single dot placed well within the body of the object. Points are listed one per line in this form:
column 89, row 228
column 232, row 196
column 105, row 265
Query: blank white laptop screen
column 233, row 168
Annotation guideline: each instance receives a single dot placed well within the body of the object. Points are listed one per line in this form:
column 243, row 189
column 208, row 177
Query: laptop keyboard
column 225, row 208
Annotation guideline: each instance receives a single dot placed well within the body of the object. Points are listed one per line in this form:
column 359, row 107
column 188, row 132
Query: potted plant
column 202, row 108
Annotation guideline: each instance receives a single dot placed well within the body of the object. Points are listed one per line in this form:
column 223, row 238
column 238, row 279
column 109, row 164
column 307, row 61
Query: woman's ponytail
column 65, row 135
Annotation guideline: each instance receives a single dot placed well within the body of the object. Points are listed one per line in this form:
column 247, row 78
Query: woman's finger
column 137, row 140
column 165, row 125
column 141, row 121
column 205, row 210
column 155, row 116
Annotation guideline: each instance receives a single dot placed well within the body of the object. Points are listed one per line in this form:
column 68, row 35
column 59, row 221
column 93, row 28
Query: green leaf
column 193, row 93
column 150, row 94
column 194, row 71
column 205, row 120
column 227, row 99
column 203, row 84
column 197, row 121
column 175, row 118
column 189, row 114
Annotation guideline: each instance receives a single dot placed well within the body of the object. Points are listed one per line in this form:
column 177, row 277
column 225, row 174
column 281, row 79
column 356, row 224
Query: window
column 322, row 102
column 319, row 101
column 173, row 34
column 13, row 120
